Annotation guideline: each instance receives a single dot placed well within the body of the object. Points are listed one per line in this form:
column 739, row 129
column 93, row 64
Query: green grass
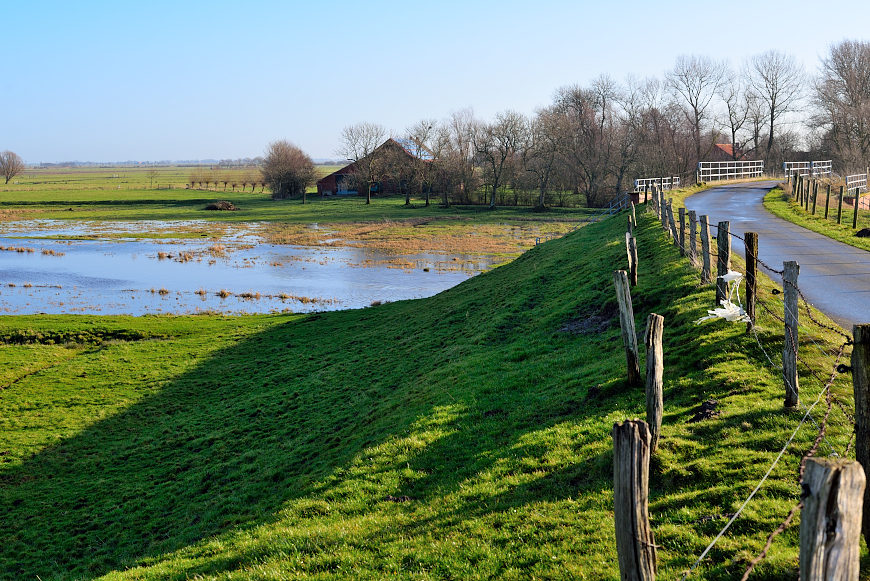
column 268, row 447
column 781, row 204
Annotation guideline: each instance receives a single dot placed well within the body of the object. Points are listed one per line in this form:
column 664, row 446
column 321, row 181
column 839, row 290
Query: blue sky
column 114, row 81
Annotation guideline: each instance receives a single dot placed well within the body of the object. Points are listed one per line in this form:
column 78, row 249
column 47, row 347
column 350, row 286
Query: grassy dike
column 464, row 436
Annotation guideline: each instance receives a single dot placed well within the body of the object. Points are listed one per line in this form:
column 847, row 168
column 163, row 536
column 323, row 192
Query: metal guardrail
column 808, row 168
column 729, row 170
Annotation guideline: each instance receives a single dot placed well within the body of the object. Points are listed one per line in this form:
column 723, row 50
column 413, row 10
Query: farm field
column 462, row 436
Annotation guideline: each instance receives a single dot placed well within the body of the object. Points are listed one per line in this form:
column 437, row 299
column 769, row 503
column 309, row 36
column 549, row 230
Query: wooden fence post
column 827, row 201
column 861, row 389
column 630, row 230
column 723, row 264
column 815, row 195
column 705, row 250
column 672, row 226
column 633, row 215
column 682, row 213
column 664, row 207
column 646, row 193
column 655, row 325
column 840, row 208
column 693, row 229
column 790, row 273
column 635, row 543
column 830, row 532
column 810, row 184
column 751, row 254
column 626, row 323
column 799, row 191
column 855, row 213
column 631, row 250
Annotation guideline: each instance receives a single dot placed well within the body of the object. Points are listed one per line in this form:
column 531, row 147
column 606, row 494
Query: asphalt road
column 834, row 277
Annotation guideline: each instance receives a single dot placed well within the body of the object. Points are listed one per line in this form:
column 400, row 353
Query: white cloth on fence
column 730, row 311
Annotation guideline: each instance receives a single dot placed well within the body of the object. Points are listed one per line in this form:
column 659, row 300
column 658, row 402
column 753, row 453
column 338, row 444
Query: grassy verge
column 781, row 204
column 465, row 436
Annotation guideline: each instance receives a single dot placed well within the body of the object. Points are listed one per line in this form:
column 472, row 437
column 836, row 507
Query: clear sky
column 112, row 81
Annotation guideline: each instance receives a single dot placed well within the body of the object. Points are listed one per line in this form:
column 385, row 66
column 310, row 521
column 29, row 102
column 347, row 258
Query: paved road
column 834, row 277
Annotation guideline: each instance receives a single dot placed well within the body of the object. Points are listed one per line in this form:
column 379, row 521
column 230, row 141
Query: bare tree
column 359, row 144
column 695, row 80
column 777, row 79
column 541, row 151
column 287, row 169
column 738, row 105
column 842, row 102
column 459, row 160
column 11, row 164
column 495, row 144
column 152, row 173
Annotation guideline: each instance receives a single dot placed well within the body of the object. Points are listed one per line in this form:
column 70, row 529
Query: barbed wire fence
column 825, row 376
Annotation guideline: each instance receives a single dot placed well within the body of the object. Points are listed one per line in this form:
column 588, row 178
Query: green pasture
column 463, row 436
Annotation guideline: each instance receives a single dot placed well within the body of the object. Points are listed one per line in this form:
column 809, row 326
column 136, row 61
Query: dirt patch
column 391, row 498
column 222, row 205
column 588, row 323
column 707, row 411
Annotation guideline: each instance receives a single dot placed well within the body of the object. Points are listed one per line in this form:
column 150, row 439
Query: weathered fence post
column 633, row 215
column 815, row 195
column 827, row 201
column 799, row 191
column 682, row 213
column 855, row 213
column 810, row 184
column 646, row 193
column 861, row 389
column 664, row 207
column 830, row 533
column 672, row 226
column 693, row 229
column 631, row 250
column 723, row 264
column 751, row 254
column 630, row 230
column 705, row 250
column 794, row 186
column 635, row 543
column 840, row 208
column 790, row 273
column 626, row 323
column 655, row 326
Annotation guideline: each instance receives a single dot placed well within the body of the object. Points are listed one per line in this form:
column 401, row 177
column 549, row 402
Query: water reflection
column 230, row 274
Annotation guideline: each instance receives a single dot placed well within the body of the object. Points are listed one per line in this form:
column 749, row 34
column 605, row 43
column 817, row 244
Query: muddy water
column 232, row 273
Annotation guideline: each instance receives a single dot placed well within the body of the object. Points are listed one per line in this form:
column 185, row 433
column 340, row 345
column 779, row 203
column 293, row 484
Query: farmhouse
column 340, row 181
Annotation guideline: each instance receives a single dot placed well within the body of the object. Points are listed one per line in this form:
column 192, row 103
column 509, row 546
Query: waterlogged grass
column 781, row 204
column 464, row 436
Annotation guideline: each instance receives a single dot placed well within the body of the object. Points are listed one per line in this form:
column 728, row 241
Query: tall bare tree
column 695, row 80
column 495, row 144
column 541, row 151
column 738, row 100
column 11, row 164
column 842, row 102
column 359, row 144
column 777, row 79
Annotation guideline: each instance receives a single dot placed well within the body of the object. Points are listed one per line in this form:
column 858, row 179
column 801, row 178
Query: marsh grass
column 269, row 447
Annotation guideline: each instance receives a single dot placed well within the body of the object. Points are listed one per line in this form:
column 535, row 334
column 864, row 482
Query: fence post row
column 635, row 543
column 861, row 389
column 751, row 254
column 693, row 228
column 655, row 325
column 705, row 250
column 723, row 264
column 830, row 531
column 790, row 273
column 626, row 323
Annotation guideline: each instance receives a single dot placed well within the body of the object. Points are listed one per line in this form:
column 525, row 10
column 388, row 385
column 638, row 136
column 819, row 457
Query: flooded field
column 136, row 268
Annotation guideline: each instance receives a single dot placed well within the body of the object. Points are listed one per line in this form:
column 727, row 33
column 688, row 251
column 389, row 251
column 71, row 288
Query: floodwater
column 44, row 268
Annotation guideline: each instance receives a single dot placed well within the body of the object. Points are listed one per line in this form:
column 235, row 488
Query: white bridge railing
column 858, row 181
column 807, row 168
column 667, row 183
column 709, row 171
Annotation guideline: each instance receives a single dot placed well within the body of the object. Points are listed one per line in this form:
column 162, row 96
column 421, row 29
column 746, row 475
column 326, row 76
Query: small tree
column 360, row 144
column 152, row 173
column 287, row 169
column 11, row 164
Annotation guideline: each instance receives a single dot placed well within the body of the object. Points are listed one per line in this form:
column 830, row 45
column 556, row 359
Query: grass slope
column 464, row 436
column 781, row 204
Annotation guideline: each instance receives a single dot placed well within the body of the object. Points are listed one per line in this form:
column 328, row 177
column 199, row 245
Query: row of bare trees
column 591, row 141
column 242, row 179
